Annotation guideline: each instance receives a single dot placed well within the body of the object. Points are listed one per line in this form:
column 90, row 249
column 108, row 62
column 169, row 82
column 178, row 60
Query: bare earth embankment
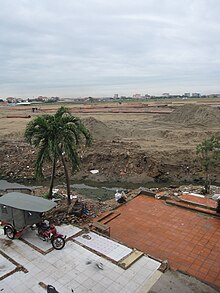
column 128, row 147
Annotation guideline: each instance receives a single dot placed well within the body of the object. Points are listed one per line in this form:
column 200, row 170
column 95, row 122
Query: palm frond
column 53, row 134
column 42, row 155
column 72, row 153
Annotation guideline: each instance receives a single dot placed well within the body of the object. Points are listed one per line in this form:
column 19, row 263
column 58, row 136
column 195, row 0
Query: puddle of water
column 5, row 184
column 100, row 193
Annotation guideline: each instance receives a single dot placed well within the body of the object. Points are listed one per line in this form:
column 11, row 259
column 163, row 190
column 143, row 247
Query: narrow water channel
column 94, row 190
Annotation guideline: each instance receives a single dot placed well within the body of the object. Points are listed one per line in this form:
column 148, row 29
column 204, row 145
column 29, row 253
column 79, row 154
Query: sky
column 73, row 48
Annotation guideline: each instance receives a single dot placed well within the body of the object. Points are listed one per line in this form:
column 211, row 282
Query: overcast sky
column 73, row 48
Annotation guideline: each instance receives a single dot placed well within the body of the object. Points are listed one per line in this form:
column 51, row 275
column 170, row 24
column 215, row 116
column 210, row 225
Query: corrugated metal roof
column 26, row 202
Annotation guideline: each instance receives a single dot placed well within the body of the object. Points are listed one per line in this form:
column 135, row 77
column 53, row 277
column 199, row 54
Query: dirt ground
column 137, row 147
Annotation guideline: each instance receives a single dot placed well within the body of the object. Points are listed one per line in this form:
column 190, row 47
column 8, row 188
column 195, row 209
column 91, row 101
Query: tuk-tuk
column 19, row 211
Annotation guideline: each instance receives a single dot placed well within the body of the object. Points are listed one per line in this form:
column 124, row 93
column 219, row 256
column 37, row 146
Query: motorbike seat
column 44, row 226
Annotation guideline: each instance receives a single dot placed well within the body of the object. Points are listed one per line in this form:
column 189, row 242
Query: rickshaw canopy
column 26, row 202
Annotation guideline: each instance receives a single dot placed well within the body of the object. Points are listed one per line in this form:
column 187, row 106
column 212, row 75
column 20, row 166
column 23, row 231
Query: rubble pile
column 79, row 213
column 116, row 160
column 17, row 159
column 175, row 191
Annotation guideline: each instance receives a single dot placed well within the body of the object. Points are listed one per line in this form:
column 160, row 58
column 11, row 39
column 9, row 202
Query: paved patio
column 5, row 266
column 189, row 240
column 76, row 268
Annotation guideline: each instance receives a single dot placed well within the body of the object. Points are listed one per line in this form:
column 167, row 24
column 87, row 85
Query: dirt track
column 130, row 147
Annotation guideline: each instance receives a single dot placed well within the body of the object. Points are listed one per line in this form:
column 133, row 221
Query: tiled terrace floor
column 200, row 200
column 189, row 240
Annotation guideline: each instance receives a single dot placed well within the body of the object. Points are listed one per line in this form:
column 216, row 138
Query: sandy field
column 137, row 143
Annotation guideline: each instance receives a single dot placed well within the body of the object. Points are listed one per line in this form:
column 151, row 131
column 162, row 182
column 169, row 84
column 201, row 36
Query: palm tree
column 57, row 136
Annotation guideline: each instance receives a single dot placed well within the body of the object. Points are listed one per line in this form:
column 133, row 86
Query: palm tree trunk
column 52, row 179
column 67, row 180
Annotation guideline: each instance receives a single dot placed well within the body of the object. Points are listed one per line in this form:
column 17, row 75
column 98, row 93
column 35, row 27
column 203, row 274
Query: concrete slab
column 105, row 246
column 176, row 282
column 151, row 282
column 130, row 259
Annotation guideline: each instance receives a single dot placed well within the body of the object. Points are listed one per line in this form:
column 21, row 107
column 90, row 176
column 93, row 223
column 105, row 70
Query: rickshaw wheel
column 58, row 243
column 10, row 232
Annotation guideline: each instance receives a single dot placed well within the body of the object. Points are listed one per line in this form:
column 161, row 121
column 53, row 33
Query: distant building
column 196, row 95
column 54, row 99
column 11, row 100
column 213, row 96
column 42, row 99
column 20, row 100
column 187, row 95
column 166, row 95
column 136, row 96
column 115, row 96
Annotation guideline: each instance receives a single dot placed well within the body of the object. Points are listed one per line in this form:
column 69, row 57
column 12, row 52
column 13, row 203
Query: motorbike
column 48, row 232
column 21, row 211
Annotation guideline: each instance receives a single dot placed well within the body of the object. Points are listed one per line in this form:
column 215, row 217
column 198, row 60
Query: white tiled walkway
column 5, row 266
column 104, row 245
column 73, row 268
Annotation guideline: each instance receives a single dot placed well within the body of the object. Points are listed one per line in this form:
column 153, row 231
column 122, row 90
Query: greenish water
column 100, row 191
column 94, row 190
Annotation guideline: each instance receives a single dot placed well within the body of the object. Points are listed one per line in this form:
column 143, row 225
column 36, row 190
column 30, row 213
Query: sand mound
column 195, row 115
column 98, row 129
